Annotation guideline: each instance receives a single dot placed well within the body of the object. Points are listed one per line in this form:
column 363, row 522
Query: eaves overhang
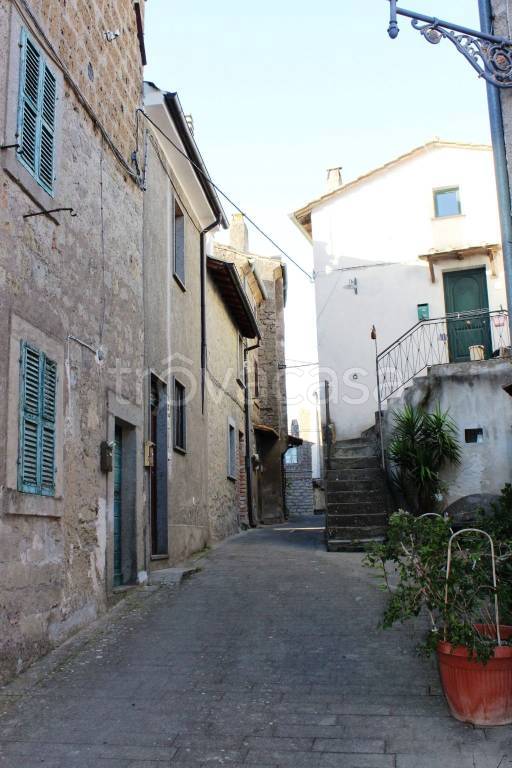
column 302, row 216
column 225, row 276
column 183, row 155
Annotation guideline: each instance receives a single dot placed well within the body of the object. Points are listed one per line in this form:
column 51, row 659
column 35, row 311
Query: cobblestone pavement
column 270, row 656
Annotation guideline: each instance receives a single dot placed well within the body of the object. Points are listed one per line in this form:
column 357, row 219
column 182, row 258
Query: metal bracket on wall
column 53, row 210
column 10, row 146
column 489, row 55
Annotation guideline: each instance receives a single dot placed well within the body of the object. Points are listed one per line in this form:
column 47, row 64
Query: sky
column 280, row 91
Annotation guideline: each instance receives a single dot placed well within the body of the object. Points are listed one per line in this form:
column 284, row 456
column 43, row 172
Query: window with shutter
column 38, row 398
column 179, row 245
column 36, row 115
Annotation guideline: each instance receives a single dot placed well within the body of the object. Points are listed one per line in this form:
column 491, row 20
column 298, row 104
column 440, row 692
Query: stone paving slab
column 269, row 657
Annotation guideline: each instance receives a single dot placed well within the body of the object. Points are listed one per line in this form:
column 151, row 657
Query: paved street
column 269, row 656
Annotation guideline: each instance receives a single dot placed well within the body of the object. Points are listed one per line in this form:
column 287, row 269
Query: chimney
column 190, row 122
column 334, row 179
column 238, row 233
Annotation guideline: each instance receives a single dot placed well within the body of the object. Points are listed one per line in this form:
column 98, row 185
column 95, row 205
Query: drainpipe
column 204, row 347
column 248, row 453
column 500, row 159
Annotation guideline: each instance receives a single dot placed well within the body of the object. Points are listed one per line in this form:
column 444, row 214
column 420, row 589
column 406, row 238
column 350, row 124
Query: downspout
column 500, row 159
column 248, row 452
column 204, row 346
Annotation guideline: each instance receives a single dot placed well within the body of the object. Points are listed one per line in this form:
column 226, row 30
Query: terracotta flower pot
column 478, row 693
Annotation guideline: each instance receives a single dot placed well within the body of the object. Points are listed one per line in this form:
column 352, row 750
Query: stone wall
column 474, row 396
column 225, row 405
column 61, row 277
column 298, row 480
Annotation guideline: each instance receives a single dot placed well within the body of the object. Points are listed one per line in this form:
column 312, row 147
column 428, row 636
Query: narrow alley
column 268, row 655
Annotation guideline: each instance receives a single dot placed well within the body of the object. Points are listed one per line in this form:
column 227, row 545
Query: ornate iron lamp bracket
column 489, row 55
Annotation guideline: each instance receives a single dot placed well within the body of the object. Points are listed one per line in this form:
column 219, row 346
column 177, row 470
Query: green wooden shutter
column 49, row 398
column 37, row 106
column 37, row 422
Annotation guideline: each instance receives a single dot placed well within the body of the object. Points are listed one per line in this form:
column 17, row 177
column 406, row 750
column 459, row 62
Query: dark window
column 179, row 245
column 232, row 468
column 447, row 202
column 256, row 380
column 240, row 374
column 180, row 417
column 474, row 435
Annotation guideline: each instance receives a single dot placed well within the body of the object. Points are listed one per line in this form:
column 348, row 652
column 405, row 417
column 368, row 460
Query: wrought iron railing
column 441, row 340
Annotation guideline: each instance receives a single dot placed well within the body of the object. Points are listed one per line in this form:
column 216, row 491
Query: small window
column 36, row 115
column 291, row 456
column 240, row 373
column 179, row 245
column 447, row 202
column 180, row 417
column 256, row 380
column 231, row 450
column 474, row 435
column 38, row 408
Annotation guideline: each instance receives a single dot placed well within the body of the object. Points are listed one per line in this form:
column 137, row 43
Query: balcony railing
column 441, row 340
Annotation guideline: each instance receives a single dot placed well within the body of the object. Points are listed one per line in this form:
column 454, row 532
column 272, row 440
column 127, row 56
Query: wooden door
column 118, row 503
column 465, row 292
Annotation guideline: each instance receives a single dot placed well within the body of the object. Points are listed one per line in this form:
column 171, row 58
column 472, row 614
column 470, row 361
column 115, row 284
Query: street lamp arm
column 489, row 55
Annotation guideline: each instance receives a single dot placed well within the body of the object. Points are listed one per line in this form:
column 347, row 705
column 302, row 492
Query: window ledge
column 240, row 383
column 178, row 449
column 452, row 216
column 231, row 478
column 31, row 504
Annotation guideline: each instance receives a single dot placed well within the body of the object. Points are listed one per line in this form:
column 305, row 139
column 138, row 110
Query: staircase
column 358, row 499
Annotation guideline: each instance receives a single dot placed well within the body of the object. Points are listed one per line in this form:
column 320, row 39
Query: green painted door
column 118, row 482
column 465, row 291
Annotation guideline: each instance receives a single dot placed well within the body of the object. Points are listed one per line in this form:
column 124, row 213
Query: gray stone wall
column 62, row 276
column 225, row 402
column 298, row 480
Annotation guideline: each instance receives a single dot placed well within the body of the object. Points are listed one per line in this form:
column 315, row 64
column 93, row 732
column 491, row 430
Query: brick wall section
column 298, row 479
column 242, row 482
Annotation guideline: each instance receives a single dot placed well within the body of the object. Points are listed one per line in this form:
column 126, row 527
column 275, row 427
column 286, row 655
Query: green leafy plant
column 412, row 567
column 421, row 445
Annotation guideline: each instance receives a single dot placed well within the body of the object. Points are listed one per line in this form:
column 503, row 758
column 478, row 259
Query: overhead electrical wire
column 226, row 197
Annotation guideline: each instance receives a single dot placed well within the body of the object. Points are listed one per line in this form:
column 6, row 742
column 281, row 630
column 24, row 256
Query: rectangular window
column 447, row 202
column 291, row 456
column 180, row 417
column 38, row 395
column 179, row 245
column 240, row 374
column 231, row 450
column 36, row 115
column 256, row 380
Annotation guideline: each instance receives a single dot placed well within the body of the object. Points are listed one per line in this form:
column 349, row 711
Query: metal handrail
column 433, row 350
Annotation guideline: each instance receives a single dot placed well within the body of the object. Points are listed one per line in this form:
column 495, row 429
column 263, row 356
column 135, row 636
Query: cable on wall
column 226, row 197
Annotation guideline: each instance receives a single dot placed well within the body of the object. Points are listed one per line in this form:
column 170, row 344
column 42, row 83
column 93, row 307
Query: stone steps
column 357, row 497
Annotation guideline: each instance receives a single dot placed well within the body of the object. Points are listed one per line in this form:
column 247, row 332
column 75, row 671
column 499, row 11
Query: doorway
column 124, row 528
column 158, row 469
column 465, row 292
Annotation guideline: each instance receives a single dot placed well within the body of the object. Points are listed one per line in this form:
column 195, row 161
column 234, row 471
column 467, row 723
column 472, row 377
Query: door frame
column 161, row 459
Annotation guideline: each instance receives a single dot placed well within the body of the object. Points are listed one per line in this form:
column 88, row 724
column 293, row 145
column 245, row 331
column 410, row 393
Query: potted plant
column 458, row 581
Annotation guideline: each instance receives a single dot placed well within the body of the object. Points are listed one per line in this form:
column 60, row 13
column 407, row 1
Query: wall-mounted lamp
column 352, row 285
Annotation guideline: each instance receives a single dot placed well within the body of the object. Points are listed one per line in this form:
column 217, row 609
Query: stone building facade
column 71, row 340
column 181, row 210
column 265, row 283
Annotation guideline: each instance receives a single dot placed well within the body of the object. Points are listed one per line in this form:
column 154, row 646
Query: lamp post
column 491, row 57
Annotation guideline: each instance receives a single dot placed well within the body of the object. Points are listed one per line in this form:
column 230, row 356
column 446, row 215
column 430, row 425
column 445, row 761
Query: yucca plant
column 421, row 445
